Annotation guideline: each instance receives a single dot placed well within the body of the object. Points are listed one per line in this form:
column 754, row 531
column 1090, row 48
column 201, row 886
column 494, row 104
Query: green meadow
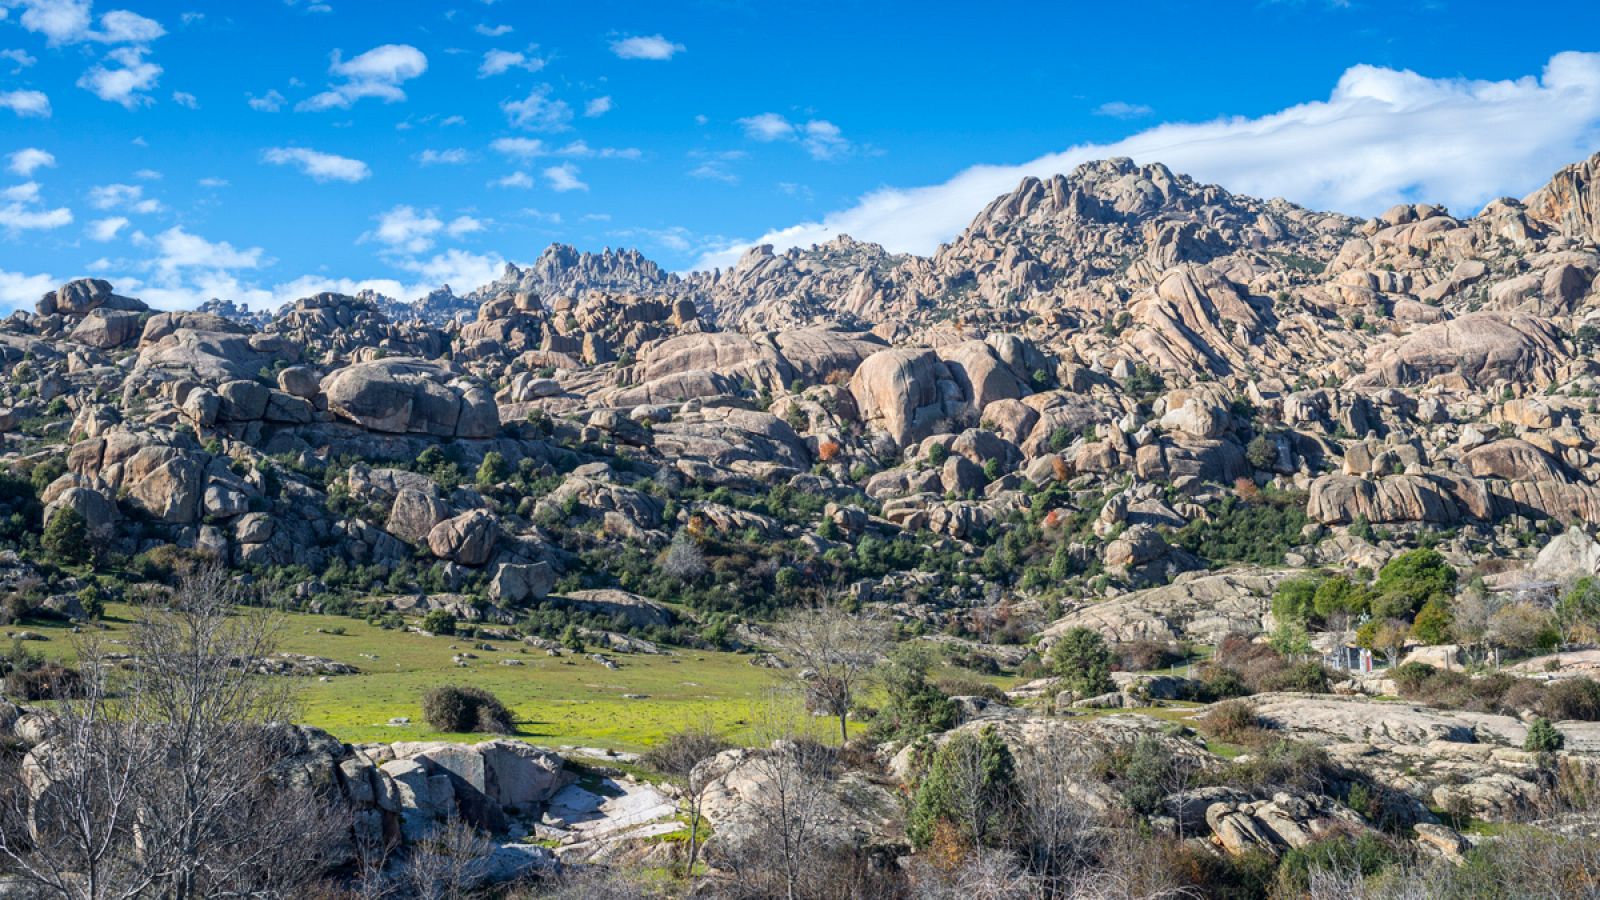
column 565, row 700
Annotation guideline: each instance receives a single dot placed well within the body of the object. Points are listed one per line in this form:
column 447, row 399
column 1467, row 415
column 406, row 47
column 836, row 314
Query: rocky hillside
column 1120, row 403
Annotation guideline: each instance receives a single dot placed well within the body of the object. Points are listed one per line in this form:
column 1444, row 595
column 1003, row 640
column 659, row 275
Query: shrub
column 1259, row 530
column 1144, row 656
column 1294, row 600
column 1572, row 698
column 1339, row 594
column 1432, row 625
column 1262, row 452
column 971, row 783
column 463, row 709
column 1230, row 720
column 937, row 454
column 1366, row 853
column 66, row 536
column 1543, row 737
column 1409, row 580
column 440, row 622
column 1083, row 661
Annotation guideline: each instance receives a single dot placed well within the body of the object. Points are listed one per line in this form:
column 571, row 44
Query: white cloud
column 496, row 62
column 564, row 178
column 714, row 165
column 107, row 229
column 405, row 230
column 19, row 291
column 519, row 147
column 320, row 166
column 28, row 160
column 129, row 196
column 71, row 22
column 1119, row 109
column 454, row 156
column 493, row 30
column 185, row 99
column 147, row 174
column 582, row 150
column 23, row 212
column 178, row 249
column 213, row 183
column 126, row 82
column 767, row 127
column 597, row 107
column 271, row 101
column 537, row 112
column 27, row 192
column 19, row 59
column 26, row 103
column 1383, row 136
column 821, row 138
column 463, row 225
column 514, row 180
column 646, row 47
column 379, row 72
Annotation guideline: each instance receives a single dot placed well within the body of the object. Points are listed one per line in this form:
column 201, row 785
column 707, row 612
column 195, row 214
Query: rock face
column 407, row 395
column 909, row 394
column 468, row 539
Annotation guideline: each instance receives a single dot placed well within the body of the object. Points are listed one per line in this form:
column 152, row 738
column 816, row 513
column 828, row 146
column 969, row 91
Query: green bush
column 1295, row 599
column 1410, row 580
column 66, row 536
column 440, row 622
column 1543, row 737
column 1367, row 853
column 968, row 767
column 1257, row 531
column 1083, row 661
column 1261, row 452
column 463, row 709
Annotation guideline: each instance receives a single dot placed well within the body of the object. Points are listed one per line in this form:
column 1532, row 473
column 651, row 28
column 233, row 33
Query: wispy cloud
column 320, row 166
column 271, row 101
column 454, row 156
column 652, row 46
column 126, row 81
column 597, row 107
column 538, row 111
column 1121, row 109
column 821, row 138
column 28, row 160
column 26, row 103
column 564, row 178
column 497, row 62
column 378, row 73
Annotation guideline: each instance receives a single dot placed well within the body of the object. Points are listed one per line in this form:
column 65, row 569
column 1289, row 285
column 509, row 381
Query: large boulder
column 907, row 393
column 468, row 539
column 107, row 329
column 80, row 297
column 406, row 395
column 1480, row 348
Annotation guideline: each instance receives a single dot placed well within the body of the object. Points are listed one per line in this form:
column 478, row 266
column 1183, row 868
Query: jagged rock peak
column 1571, row 200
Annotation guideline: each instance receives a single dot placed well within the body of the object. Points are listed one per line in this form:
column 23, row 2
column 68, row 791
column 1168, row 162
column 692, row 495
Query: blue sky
column 263, row 150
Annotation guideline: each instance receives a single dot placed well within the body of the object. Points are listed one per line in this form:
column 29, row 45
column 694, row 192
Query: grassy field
column 566, row 700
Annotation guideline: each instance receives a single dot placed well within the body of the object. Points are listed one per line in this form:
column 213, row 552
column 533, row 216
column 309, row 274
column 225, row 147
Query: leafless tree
column 679, row 757
column 70, row 806
column 1059, row 830
column 787, row 844
column 175, row 785
column 445, row 865
column 836, row 652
